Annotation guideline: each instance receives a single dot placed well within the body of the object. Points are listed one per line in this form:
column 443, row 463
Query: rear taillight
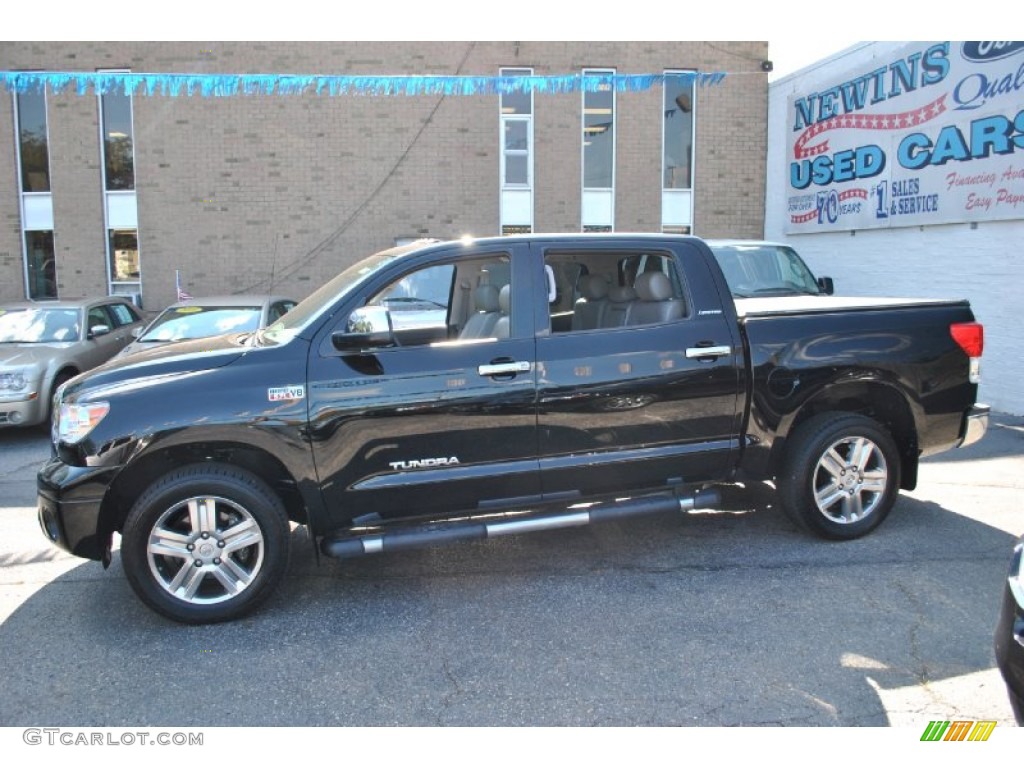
column 971, row 338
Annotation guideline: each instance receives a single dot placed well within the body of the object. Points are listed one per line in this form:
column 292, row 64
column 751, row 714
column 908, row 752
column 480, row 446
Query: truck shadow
column 726, row 617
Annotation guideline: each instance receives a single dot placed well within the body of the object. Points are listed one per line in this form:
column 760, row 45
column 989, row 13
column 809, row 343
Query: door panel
column 633, row 407
column 428, row 429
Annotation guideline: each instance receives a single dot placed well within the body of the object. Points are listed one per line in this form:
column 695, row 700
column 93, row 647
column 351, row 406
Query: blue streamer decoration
column 219, row 86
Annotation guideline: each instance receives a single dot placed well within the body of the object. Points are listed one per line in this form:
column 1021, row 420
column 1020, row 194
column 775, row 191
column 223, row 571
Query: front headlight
column 76, row 420
column 15, row 380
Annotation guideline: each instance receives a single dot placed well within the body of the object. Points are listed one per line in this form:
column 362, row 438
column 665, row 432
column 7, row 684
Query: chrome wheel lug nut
column 216, row 561
column 199, row 563
column 190, row 547
column 220, row 544
column 206, row 535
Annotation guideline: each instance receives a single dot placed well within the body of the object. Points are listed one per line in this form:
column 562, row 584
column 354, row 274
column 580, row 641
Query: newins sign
column 934, row 135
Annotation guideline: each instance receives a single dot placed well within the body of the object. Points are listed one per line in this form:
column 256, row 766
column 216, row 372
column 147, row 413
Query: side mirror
column 137, row 331
column 98, row 330
column 367, row 328
column 825, row 285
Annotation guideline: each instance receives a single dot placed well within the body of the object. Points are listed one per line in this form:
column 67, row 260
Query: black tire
column 179, row 572
column 840, row 476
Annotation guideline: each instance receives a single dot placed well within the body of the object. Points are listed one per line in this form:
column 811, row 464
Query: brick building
column 113, row 194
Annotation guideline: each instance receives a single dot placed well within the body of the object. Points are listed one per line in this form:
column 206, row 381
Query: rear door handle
column 503, row 369
column 697, row 352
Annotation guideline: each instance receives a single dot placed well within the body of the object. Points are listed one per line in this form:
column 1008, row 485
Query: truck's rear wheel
column 205, row 543
column 841, row 475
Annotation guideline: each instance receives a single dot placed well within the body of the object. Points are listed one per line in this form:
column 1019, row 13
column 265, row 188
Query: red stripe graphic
column 909, row 119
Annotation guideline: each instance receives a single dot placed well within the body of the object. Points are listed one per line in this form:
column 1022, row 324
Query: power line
column 322, row 246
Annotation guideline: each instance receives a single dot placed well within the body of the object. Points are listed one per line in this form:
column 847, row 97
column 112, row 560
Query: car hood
column 165, row 361
column 15, row 354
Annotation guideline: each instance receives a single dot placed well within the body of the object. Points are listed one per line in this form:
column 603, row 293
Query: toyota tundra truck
column 447, row 391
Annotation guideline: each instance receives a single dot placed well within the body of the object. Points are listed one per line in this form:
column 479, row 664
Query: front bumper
column 22, row 410
column 975, row 425
column 70, row 501
column 1009, row 640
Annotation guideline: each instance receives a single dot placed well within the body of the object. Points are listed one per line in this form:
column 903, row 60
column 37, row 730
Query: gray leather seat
column 620, row 298
column 655, row 303
column 588, row 312
column 502, row 327
column 481, row 323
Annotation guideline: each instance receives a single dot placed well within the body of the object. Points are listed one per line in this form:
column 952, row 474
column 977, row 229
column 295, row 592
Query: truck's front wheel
column 841, row 475
column 205, row 543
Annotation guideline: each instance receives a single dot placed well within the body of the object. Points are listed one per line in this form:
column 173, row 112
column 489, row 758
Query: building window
column 36, row 201
column 120, row 204
column 677, row 153
column 32, row 142
column 118, row 154
column 123, row 247
column 598, row 205
column 516, row 167
column 40, row 265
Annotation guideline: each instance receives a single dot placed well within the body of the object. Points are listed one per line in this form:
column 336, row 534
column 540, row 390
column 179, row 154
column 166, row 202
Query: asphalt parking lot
column 722, row 618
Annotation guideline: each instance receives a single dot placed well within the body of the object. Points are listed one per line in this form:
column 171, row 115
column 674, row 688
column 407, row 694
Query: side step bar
column 429, row 534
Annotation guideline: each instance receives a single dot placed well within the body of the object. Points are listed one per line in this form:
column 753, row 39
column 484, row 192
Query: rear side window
column 607, row 289
column 123, row 314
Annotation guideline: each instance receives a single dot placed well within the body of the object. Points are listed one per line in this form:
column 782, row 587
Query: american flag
column 183, row 295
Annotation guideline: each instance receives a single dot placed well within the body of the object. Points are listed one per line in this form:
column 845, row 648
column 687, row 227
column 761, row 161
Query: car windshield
column 38, row 326
column 197, row 322
column 764, row 270
column 310, row 308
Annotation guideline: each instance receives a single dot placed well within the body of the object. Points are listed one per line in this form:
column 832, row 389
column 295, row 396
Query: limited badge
column 295, row 392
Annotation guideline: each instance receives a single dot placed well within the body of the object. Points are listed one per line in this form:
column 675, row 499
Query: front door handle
column 504, row 369
column 698, row 352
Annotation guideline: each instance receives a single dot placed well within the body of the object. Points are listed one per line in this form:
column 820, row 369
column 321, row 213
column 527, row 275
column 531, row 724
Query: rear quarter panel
column 800, row 361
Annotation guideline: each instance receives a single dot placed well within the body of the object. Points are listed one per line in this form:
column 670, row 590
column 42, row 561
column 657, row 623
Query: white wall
column 982, row 263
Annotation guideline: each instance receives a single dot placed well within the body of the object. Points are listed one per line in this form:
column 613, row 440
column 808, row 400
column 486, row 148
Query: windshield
column 38, row 326
column 195, row 322
column 307, row 310
column 764, row 270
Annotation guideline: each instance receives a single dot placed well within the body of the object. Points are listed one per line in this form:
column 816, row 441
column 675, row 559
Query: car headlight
column 76, row 420
column 16, row 380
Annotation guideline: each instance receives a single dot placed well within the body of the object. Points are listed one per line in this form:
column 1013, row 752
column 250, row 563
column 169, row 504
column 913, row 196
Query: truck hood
column 782, row 305
column 165, row 361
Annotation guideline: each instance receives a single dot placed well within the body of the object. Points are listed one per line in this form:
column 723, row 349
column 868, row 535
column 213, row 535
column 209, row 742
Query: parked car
column 44, row 344
column 1009, row 643
column 606, row 377
column 210, row 316
column 761, row 268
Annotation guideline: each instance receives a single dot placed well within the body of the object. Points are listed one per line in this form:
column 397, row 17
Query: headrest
column 486, row 298
column 594, row 287
column 621, row 293
column 505, row 299
column 653, row 286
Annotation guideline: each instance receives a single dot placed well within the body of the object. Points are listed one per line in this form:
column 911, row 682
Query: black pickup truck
column 439, row 392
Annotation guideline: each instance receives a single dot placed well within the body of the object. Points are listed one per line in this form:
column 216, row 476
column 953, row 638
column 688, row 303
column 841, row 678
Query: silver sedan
column 210, row 316
column 44, row 344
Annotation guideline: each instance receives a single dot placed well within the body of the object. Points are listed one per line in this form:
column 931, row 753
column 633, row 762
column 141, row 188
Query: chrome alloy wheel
column 850, row 480
column 205, row 549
